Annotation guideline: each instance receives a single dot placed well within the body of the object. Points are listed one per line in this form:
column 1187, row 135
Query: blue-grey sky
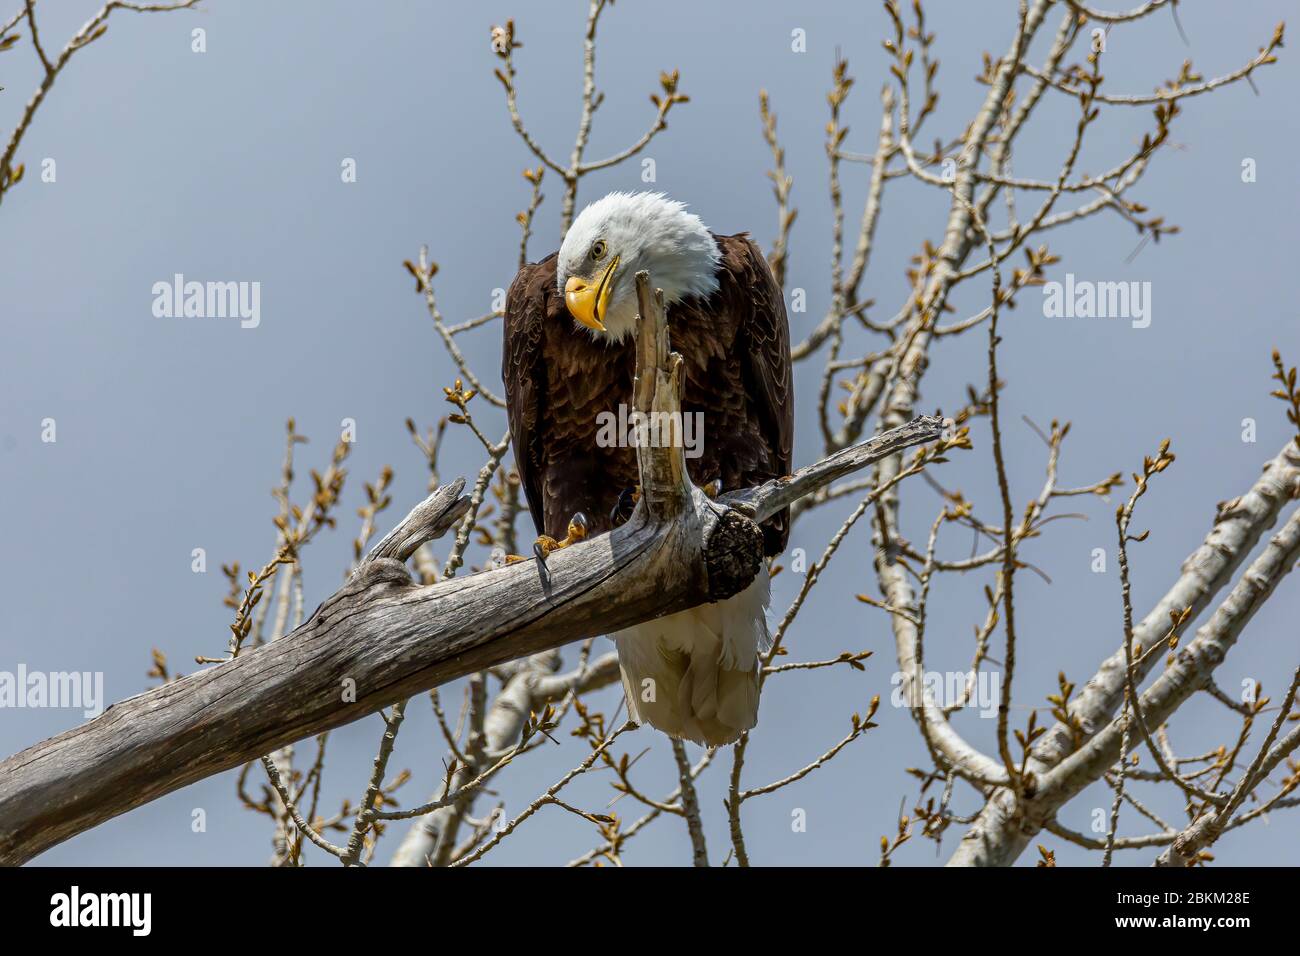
column 225, row 165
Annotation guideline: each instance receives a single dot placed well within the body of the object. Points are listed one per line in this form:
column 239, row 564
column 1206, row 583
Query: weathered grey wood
column 656, row 390
column 390, row 637
column 765, row 500
column 428, row 520
column 381, row 638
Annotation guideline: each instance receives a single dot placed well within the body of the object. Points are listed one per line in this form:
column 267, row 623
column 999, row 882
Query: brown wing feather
column 763, row 339
column 736, row 351
column 531, row 299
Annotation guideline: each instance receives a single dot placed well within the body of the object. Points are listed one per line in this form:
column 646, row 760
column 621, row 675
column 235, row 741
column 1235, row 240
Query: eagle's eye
column 598, row 250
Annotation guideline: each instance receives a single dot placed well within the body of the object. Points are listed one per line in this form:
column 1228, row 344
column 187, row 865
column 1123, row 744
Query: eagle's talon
column 543, row 546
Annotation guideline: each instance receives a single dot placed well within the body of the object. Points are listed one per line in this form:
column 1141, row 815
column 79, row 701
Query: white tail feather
column 694, row 674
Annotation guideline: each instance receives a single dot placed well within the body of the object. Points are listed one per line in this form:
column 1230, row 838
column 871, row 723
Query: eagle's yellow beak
column 588, row 299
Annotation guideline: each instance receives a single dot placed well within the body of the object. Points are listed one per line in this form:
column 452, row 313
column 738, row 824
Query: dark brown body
column 735, row 347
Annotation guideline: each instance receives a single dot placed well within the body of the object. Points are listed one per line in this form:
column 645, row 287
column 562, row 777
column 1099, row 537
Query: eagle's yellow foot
column 713, row 488
column 625, row 505
column 545, row 545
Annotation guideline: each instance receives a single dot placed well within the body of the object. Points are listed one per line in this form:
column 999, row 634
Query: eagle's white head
column 618, row 236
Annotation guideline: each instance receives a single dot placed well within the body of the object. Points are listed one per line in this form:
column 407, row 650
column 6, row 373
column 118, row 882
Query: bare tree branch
column 382, row 638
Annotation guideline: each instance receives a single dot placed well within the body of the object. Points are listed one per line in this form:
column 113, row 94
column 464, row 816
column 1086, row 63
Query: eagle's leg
column 545, row 544
column 623, row 508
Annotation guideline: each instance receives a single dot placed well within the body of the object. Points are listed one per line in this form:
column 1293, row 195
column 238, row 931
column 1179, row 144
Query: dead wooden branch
column 381, row 638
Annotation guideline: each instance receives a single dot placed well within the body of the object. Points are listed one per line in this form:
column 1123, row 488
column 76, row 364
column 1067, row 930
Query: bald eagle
column 568, row 363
